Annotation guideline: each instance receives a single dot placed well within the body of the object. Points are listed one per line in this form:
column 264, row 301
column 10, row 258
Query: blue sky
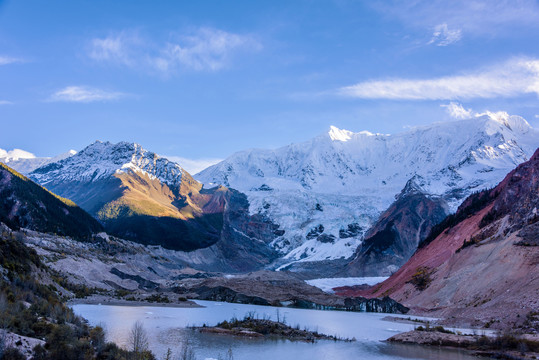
column 203, row 79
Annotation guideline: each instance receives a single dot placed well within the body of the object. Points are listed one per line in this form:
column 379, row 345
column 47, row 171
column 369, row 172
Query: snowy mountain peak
column 512, row 122
column 337, row 134
column 101, row 160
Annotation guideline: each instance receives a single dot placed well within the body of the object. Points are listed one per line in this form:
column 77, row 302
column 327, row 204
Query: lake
column 167, row 327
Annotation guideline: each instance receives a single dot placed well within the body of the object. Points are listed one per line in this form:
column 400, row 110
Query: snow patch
column 337, row 134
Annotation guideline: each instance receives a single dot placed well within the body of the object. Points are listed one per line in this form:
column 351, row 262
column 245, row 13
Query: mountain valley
column 148, row 232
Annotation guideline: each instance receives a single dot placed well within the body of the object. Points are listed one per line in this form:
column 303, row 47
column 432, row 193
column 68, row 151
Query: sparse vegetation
column 421, row 278
column 251, row 326
column 505, row 342
column 158, row 298
column 437, row 328
column 30, row 308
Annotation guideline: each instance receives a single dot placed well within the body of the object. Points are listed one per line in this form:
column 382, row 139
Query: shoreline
column 477, row 345
column 106, row 300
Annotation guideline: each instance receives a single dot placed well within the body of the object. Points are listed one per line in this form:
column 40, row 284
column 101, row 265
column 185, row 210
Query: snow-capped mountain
column 25, row 162
column 326, row 192
column 140, row 196
column 100, row 160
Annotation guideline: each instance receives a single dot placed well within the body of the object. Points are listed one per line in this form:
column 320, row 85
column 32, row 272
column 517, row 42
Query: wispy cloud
column 513, row 78
column 84, row 94
column 193, row 166
column 118, row 48
column 5, row 102
column 457, row 111
column 202, row 49
column 5, row 60
column 477, row 18
column 443, row 36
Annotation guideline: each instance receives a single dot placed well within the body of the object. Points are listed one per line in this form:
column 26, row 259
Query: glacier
column 326, row 192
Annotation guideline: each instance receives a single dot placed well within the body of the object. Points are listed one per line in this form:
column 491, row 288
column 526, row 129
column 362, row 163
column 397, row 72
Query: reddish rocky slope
column 482, row 265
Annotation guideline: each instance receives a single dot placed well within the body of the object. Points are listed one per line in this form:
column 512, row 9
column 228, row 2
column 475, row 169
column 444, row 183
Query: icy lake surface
column 167, row 328
column 327, row 284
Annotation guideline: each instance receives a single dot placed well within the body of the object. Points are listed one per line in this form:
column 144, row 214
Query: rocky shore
column 496, row 347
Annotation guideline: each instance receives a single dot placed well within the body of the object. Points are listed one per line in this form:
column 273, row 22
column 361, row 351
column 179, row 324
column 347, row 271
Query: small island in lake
column 259, row 328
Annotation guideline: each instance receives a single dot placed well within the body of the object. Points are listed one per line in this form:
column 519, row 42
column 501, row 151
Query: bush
column 421, row 278
column 12, row 354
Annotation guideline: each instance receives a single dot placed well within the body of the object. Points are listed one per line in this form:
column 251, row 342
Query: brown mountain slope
column 485, row 267
column 24, row 203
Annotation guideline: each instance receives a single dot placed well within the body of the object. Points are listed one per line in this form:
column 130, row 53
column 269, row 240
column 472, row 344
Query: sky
column 200, row 80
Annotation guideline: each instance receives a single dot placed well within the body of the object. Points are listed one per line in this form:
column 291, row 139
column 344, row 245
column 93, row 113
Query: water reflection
column 168, row 327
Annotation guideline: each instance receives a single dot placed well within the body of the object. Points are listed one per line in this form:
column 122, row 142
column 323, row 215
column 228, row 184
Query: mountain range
column 340, row 204
column 326, row 193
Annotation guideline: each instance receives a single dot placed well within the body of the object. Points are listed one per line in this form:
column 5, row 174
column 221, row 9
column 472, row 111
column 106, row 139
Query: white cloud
column 5, row 60
column 116, row 48
column 202, row 49
column 512, row 78
column 207, row 49
column 84, row 94
column 477, row 17
column 5, row 102
column 443, row 36
column 193, row 166
column 16, row 154
column 457, row 111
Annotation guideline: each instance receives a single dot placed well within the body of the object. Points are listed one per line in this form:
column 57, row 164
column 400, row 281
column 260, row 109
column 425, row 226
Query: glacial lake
column 167, row 327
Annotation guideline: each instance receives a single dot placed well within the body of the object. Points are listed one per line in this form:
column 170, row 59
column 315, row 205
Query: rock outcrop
column 397, row 233
column 280, row 289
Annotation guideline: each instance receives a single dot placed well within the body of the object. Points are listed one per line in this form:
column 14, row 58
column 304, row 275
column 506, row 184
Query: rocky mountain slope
column 26, row 162
column 143, row 197
column 327, row 192
column 394, row 238
column 480, row 265
column 26, row 204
